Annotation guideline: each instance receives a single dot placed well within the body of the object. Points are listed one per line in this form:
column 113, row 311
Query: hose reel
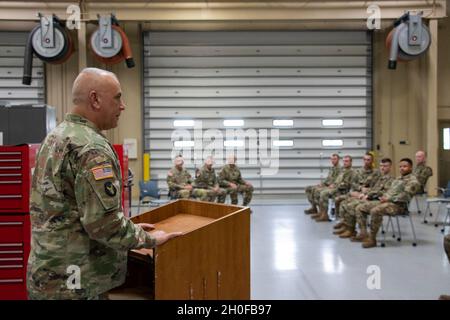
column 49, row 41
column 409, row 39
column 110, row 44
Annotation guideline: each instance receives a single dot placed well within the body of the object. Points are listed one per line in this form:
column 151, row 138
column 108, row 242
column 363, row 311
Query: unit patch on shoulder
column 110, row 189
column 102, row 172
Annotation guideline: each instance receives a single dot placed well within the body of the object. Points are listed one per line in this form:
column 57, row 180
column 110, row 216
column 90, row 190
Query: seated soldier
column 422, row 171
column 207, row 185
column 349, row 207
column 363, row 179
column 340, row 186
column 179, row 180
column 395, row 201
column 230, row 178
column 310, row 191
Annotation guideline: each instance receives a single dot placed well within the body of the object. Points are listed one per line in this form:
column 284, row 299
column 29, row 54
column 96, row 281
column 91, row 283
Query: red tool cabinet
column 16, row 166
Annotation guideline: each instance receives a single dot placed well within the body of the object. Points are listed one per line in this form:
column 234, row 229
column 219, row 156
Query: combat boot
column 350, row 232
column 311, row 210
column 315, row 215
column 369, row 242
column 323, row 216
column 340, row 231
column 339, row 225
column 360, row 237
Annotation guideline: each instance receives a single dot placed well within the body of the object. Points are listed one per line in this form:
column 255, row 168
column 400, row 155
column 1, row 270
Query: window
column 233, row 123
column 183, row 143
column 283, row 143
column 332, row 122
column 446, row 138
column 183, row 123
column 233, row 143
column 283, row 123
column 332, row 143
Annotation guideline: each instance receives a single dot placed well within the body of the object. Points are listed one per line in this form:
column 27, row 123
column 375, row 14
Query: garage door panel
column 12, row 91
column 255, row 50
column 284, row 134
column 257, row 37
column 306, row 77
column 255, row 82
column 17, row 72
column 175, row 73
column 255, row 61
column 182, row 92
column 161, row 123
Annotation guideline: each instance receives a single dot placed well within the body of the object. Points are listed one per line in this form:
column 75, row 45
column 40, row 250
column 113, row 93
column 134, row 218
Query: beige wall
column 400, row 97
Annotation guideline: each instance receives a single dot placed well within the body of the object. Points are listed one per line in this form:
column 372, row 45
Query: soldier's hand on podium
column 146, row 226
column 162, row 237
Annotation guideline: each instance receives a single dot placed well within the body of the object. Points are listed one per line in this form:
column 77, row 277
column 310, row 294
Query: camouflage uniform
column 177, row 180
column 205, row 181
column 351, row 209
column 401, row 192
column 342, row 186
column 362, row 178
column 231, row 173
column 447, row 246
column 333, row 172
column 76, row 216
column 422, row 173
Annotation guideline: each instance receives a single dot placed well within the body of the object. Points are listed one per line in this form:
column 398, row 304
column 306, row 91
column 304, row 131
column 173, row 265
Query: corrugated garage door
column 314, row 86
column 12, row 48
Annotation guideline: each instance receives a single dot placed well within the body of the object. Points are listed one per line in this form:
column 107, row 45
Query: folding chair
column 150, row 189
column 446, row 219
column 422, row 195
column 390, row 223
column 444, row 199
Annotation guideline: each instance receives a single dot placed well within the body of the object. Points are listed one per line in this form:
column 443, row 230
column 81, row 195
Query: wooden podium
column 210, row 261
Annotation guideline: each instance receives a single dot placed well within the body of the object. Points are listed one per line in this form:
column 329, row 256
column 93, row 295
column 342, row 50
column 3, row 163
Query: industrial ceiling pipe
column 50, row 42
column 409, row 39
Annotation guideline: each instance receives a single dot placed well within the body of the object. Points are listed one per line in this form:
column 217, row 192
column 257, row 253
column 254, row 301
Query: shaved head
column 97, row 96
column 421, row 157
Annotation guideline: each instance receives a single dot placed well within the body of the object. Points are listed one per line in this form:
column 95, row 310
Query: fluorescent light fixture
column 233, row 123
column 446, row 139
column 183, row 143
column 183, row 123
column 283, row 143
column 332, row 143
column 233, row 143
column 283, row 123
column 332, row 122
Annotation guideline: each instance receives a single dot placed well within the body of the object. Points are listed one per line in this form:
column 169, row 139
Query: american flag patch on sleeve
column 102, row 172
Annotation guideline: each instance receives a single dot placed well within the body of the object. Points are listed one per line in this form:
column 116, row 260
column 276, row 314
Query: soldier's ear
column 93, row 99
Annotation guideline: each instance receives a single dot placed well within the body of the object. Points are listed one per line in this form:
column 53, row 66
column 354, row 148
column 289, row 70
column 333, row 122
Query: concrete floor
column 294, row 257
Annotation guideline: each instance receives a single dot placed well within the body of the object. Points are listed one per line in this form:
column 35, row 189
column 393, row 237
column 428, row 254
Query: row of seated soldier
column 363, row 196
column 207, row 185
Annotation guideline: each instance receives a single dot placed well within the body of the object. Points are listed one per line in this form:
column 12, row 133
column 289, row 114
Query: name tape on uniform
column 102, row 172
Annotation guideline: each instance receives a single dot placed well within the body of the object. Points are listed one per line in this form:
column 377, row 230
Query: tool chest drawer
column 16, row 166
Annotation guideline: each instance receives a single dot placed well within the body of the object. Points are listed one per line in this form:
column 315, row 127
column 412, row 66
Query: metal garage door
column 12, row 48
column 314, row 87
